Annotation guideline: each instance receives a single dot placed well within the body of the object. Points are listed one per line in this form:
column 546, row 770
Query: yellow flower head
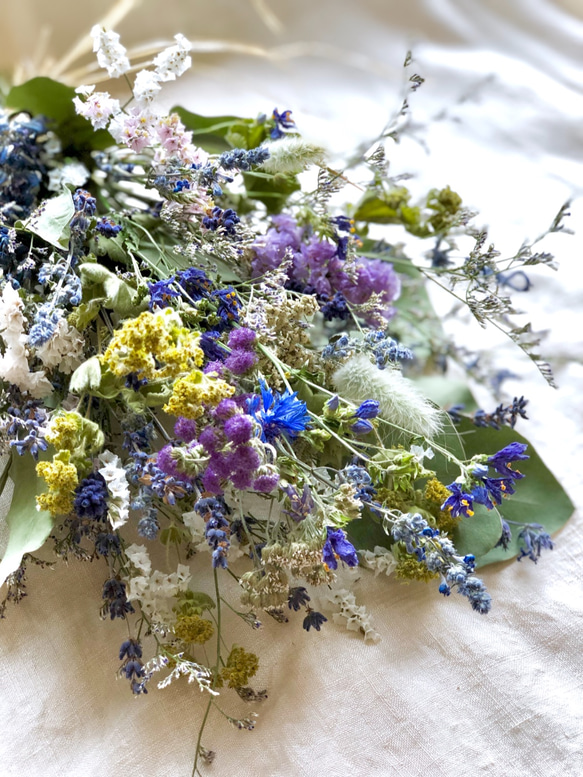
column 62, row 479
column 189, row 394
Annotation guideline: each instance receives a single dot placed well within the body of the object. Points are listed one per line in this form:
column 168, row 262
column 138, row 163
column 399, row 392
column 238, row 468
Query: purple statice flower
column 459, row 502
column 502, row 460
column 242, row 338
column 315, row 267
column 240, row 361
column 271, row 250
column 278, row 414
column 185, row 429
column 337, row 547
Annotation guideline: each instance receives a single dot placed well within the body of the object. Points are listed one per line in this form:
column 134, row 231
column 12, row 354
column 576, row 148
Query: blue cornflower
column 91, row 498
column 281, row 413
column 367, row 409
column 337, row 547
column 459, row 503
column 282, row 121
column 161, row 292
column 314, row 620
column 501, row 461
column 533, row 539
column 298, row 598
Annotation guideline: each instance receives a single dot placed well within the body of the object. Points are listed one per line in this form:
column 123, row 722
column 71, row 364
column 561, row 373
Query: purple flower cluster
column 217, row 531
column 233, row 457
column 242, row 356
column 318, row 267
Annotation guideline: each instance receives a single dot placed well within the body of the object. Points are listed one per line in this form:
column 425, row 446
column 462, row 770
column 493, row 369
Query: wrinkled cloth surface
column 446, row 691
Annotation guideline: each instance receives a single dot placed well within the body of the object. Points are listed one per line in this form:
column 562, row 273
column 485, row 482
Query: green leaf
column 446, row 392
column 29, row 527
column 51, row 223
column 366, row 533
column 119, row 295
column 86, row 377
column 272, row 191
column 539, row 497
column 43, row 96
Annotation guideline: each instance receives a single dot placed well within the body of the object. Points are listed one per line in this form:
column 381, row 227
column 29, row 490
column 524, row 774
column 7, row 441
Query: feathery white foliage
column 400, row 402
column 292, row 155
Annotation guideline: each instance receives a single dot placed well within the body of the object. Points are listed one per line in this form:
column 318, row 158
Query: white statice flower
column 380, row 560
column 138, row 588
column 111, row 55
column 117, row 485
column 156, row 591
column 64, row 349
column 14, row 362
column 73, row 173
column 98, row 108
column 85, row 90
column 139, row 558
column 146, row 87
column 354, row 617
column 175, row 60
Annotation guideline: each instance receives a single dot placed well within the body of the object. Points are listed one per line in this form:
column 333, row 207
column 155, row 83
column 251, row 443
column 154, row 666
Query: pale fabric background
column 446, row 691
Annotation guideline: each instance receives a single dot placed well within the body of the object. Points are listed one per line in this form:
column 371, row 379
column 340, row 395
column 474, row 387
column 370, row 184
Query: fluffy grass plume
column 400, row 402
column 292, row 155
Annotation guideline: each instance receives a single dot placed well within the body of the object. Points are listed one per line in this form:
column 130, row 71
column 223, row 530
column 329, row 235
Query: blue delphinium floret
column 502, row 460
column 533, row 538
column 279, row 414
column 282, row 121
column 338, row 547
column 162, row 292
column 459, row 502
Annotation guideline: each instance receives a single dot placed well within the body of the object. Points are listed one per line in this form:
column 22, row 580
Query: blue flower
column 242, row 159
column 368, row 409
column 281, row 414
column 362, row 426
column 337, row 547
column 106, row 227
column 459, row 503
column 533, row 539
column 298, row 598
column 314, row 619
column 195, row 283
column 91, row 497
column 501, row 461
column 161, row 292
column 282, row 120
column 229, row 305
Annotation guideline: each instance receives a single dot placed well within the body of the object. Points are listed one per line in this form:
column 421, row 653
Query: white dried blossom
column 14, row 362
column 139, row 558
column 421, row 453
column 146, row 87
column 175, row 60
column 114, row 475
column 380, row 560
column 111, row 55
column 355, row 617
column 400, row 402
column 73, row 173
column 64, row 349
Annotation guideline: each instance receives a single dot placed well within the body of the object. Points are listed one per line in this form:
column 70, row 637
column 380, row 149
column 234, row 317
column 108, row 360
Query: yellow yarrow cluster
column 239, row 668
column 410, row 568
column 189, row 394
column 193, row 628
column 64, row 431
column 151, row 340
column 435, row 495
column 61, row 477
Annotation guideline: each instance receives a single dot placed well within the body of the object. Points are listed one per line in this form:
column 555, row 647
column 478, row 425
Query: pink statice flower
column 135, row 129
column 98, row 108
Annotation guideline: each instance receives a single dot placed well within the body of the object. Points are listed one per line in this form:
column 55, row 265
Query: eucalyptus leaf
column 86, row 377
column 208, row 131
column 29, row 527
column 51, row 222
column 539, row 497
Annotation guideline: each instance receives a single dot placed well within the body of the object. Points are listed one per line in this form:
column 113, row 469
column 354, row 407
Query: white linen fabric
column 446, row 691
